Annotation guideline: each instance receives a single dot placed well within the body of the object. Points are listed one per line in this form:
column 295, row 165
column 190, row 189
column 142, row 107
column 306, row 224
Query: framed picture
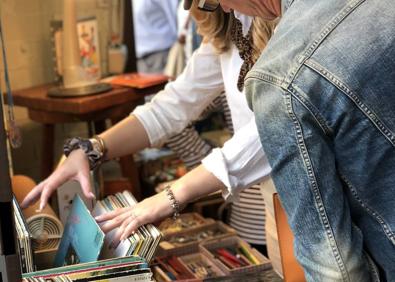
column 88, row 40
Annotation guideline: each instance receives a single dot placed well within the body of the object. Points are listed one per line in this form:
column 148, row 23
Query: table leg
column 100, row 126
column 47, row 153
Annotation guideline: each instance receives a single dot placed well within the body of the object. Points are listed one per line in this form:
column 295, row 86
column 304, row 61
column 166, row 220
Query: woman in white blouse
column 239, row 164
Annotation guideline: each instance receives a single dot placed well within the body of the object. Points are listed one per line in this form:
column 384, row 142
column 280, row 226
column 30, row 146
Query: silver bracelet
column 173, row 202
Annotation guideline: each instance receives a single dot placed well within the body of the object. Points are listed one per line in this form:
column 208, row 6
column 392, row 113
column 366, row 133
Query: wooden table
column 114, row 105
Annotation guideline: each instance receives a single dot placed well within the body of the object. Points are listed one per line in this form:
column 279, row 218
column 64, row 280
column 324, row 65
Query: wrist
column 94, row 149
column 173, row 202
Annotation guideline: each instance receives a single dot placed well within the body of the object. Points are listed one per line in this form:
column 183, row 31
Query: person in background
column 155, row 31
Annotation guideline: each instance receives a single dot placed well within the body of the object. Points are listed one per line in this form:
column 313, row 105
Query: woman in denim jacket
column 323, row 97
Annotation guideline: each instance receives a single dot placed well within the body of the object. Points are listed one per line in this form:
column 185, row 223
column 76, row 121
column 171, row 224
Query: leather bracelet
column 94, row 149
column 173, row 202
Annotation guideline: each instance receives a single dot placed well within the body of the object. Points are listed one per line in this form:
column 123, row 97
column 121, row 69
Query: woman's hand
column 75, row 167
column 129, row 219
column 193, row 185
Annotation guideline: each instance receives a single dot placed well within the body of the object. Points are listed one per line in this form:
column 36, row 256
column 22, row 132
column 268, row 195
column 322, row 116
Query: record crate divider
column 192, row 246
column 208, row 246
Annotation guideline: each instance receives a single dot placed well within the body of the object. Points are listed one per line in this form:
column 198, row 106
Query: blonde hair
column 215, row 27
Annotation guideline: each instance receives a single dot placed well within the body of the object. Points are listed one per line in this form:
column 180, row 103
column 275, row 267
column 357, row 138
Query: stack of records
column 142, row 243
column 120, row 269
column 24, row 244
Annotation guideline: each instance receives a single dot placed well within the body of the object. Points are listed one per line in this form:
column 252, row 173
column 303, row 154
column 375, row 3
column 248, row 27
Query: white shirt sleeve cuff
column 216, row 164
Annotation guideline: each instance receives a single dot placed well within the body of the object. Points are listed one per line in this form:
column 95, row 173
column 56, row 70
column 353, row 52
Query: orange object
column 292, row 270
column 139, row 80
column 181, row 170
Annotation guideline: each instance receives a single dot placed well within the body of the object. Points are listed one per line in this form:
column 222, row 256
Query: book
column 138, row 80
column 119, row 269
column 24, row 242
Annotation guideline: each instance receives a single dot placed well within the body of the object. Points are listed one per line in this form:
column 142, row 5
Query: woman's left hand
column 129, row 219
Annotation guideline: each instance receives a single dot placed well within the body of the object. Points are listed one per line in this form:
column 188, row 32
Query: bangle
column 173, row 202
column 98, row 145
column 93, row 149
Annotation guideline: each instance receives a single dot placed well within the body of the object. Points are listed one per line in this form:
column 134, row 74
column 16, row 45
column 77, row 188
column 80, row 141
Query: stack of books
column 120, row 269
column 143, row 242
column 83, row 240
column 84, row 252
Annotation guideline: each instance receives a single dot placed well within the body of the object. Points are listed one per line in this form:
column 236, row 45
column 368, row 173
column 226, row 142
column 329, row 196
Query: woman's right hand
column 75, row 167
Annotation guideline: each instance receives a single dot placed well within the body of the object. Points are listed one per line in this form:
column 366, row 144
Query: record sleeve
column 82, row 239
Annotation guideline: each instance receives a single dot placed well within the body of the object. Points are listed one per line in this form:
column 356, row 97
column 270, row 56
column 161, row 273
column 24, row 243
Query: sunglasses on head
column 208, row 5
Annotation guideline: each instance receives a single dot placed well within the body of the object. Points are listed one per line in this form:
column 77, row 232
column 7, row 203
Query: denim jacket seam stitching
column 264, row 77
column 314, row 186
column 333, row 23
column 310, row 107
column 387, row 230
column 344, row 88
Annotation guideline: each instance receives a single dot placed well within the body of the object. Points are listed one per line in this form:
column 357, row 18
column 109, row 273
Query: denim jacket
column 323, row 94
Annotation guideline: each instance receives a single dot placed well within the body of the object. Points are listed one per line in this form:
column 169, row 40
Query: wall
column 27, row 34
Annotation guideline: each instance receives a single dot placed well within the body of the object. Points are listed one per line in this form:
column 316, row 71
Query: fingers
column 71, row 169
column 131, row 227
column 45, row 194
column 115, row 222
column 33, row 196
column 50, row 185
column 110, row 215
column 128, row 227
column 84, row 180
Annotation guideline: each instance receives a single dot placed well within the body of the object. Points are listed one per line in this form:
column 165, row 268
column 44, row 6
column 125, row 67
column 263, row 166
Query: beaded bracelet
column 173, row 202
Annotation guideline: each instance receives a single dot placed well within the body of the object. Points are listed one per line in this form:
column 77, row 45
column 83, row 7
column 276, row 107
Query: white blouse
column 241, row 162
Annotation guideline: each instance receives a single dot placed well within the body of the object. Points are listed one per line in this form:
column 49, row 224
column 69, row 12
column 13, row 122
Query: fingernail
column 41, row 206
column 92, row 195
